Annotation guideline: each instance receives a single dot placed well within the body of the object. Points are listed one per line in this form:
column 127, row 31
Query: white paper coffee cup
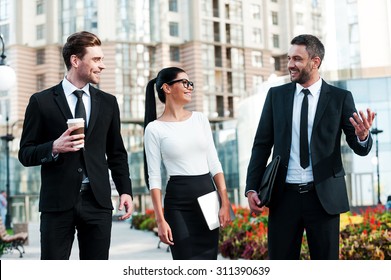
column 79, row 122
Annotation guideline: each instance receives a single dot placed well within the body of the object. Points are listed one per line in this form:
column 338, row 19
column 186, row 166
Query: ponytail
column 150, row 103
column 165, row 75
column 149, row 116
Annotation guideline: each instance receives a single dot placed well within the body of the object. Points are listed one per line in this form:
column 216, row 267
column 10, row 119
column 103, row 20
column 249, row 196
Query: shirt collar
column 314, row 88
column 69, row 88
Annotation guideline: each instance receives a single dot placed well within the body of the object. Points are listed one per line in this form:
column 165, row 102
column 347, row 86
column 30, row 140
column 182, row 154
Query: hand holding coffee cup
column 78, row 122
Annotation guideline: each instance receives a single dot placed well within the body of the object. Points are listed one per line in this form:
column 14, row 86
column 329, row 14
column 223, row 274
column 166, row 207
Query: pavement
column 126, row 244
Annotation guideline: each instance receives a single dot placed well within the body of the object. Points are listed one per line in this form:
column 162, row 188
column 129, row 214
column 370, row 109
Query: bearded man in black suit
column 310, row 189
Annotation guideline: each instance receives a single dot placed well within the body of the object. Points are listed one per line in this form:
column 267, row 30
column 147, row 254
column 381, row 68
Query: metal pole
column 378, row 170
column 376, row 131
column 7, row 139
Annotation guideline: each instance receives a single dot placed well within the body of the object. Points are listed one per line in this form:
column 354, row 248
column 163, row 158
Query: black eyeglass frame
column 186, row 83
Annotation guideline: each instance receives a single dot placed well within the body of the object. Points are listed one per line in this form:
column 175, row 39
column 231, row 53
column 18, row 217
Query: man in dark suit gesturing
column 310, row 191
column 75, row 187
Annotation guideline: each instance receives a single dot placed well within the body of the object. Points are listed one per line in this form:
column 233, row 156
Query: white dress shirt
column 296, row 174
column 72, row 99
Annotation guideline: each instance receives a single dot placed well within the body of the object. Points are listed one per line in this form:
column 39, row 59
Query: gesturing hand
column 362, row 124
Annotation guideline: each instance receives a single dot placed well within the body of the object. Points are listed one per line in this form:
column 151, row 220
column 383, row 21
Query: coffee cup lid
column 77, row 120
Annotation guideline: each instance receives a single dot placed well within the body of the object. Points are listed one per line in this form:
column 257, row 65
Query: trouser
column 294, row 213
column 92, row 222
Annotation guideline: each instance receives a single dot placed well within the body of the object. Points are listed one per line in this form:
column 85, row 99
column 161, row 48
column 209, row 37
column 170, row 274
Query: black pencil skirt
column 192, row 238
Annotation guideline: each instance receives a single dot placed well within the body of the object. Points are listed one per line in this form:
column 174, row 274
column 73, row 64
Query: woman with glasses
column 182, row 141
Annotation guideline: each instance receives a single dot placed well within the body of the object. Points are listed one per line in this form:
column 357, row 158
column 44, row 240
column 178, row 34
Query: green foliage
column 148, row 224
column 144, row 221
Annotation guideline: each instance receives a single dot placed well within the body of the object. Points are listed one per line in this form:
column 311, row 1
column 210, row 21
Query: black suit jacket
column 334, row 108
column 45, row 120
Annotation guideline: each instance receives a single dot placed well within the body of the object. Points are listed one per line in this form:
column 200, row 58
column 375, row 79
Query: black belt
column 85, row 187
column 300, row 188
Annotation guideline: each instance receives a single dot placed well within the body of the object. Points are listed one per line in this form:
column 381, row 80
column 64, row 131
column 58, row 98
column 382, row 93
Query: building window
column 317, row 23
column 173, row 5
column 207, row 31
column 275, row 18
column 40, row 82
column 277, row 64
column 229, row 82
column 174, row 54
column 228, row 33
column 276, row 41
column 5, row 30
column 257, row 83
column 207, row 56
column 237, row 58
column 299, row 19
column 4, row 10
column 40, row 7
column 216, row 31
column 40, row 29
column 218, row 56
column 40, row 56
column 257, row 35
column 215, row 8
column 233, row 10
column 174, row 29
column 236, row 34
column 220, row 106
column 354, row 36
column 256, row 10
column 256, row 59
column 230, row 107
column 206, row 8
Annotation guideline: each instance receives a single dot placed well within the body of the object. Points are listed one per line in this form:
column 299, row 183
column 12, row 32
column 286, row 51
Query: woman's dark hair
column 164, row 76
column 313, row 45
column 76, row 45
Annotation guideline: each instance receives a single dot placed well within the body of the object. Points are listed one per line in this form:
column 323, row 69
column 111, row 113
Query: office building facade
column 229, row 48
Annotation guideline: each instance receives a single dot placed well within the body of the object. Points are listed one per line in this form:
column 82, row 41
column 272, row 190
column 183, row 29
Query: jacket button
column 79, row 170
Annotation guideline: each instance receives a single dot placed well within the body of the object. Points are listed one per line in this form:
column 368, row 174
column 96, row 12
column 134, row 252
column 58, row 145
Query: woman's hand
column 224, row 215
column 164, row 233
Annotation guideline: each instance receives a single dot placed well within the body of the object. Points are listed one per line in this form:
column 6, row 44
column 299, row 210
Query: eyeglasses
column 186, row 83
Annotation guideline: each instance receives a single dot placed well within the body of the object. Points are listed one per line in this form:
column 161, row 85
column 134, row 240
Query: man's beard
column 304, row 76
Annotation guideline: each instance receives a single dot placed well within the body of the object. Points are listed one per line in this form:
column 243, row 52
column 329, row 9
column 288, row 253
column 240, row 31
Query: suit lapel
column 324, row 99
column 61, row 101
column 95, row 104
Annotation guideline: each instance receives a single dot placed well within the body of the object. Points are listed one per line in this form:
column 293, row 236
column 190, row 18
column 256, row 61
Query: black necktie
column 304, row 150
column 80, row 110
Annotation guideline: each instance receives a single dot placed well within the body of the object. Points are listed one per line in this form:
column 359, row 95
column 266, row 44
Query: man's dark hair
column 313, row 45
column 76, row 45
